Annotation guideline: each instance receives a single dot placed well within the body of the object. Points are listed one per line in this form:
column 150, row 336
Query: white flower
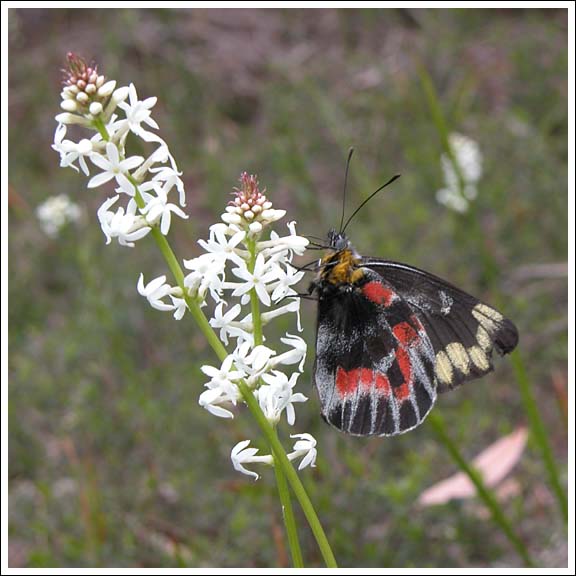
column 219, row 244
column 277, row 396
column 241, row 455
column 469, row 157
column 452, row 199
column 221, row 388
column 113, row 167
column 304, row 448
column 106, row 89
column 466, row 154
column 71, row 151
column 257, row 279
column 207, row 273
column 253, row 361
column 125, row 226
column 292, row 306
column 68, row 118
column 292, row 243
column 155, row 290
column 171, row 177
column 287, row 279
column 56, row 212
column 138, row 112
column 159, row 209
column 294, row 356
column 180, row 307
column 226, row 322
column 159, row 156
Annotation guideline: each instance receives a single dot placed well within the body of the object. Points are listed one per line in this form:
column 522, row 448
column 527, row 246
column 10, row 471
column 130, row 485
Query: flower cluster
column 57, row 211
column 241, row 259
column 240, row 262
column 143, row 183
column 460, row 184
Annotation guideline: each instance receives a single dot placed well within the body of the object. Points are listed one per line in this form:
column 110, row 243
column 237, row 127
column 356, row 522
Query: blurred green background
column 112, row 461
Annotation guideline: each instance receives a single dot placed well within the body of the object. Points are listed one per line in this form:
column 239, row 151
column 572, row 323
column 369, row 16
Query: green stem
column 254, row 302
column 485, row 494
column 281, row 458
column 289, row 520
column 101, row 127
column 283, row 491
column 539, row 431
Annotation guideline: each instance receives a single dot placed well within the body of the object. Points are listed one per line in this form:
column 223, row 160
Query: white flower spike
column 241, row 259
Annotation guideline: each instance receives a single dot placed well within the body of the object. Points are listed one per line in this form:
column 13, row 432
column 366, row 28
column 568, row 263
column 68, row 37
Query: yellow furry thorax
column 341, row 267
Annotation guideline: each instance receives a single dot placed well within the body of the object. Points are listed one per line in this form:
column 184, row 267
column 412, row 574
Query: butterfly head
column 340, row 265
column 338, row 241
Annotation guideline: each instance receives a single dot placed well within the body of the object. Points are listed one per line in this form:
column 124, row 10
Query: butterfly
column 390, row 336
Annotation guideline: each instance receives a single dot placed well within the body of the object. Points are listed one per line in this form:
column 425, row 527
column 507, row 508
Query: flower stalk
column 253, row 373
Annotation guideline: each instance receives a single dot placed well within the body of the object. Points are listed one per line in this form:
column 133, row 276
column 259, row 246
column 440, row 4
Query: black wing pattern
column 463, row 331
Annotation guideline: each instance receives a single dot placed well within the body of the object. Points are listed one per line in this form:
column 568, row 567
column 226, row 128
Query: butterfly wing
column 374, row 368
column 463, row 331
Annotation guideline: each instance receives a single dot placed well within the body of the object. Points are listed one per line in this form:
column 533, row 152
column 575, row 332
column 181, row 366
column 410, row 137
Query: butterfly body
column 390, row 336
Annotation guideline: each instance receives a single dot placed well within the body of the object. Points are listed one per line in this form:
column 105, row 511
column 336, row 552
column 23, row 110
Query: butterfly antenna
column 342, row 230
column 350, row 153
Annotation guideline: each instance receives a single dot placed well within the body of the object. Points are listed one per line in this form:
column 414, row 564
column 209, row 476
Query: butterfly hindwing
column 375, row 363
column 463, row 331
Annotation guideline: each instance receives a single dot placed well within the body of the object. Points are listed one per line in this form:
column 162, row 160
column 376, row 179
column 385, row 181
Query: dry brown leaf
column 494, row 464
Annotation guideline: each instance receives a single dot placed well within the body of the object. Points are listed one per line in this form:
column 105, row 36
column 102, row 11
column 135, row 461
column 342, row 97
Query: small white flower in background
column 91, row 101
column 55, row 212
column 304, row 448
column 457, row 195
column 241, row 455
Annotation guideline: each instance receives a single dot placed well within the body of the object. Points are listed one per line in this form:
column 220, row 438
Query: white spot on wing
column 446, row 302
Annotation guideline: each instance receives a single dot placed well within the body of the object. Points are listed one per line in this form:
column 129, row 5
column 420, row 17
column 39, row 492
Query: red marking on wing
column 402, row 392
column 378, row 293
column 347, row 381
column 382, row 383
column 405, row 334
column 405, row 365
column 366, row 376
column 344, row 385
